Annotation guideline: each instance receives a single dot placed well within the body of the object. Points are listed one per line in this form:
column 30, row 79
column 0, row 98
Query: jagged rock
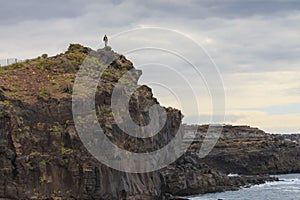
column 42, row 156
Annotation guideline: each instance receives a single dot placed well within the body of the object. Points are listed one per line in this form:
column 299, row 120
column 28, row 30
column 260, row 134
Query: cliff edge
column 42, row 156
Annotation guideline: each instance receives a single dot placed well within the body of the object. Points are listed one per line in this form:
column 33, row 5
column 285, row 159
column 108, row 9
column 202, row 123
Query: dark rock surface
column 242, row 150
column 190, row 175
column 42, row 156
column 246, row 150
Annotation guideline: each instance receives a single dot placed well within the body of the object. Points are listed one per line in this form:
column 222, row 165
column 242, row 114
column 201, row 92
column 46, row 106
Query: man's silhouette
column 105, row 39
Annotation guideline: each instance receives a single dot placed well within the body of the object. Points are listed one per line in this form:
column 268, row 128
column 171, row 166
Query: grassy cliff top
column 51, row 77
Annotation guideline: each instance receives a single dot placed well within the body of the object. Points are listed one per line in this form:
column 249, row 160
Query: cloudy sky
column 255, row 46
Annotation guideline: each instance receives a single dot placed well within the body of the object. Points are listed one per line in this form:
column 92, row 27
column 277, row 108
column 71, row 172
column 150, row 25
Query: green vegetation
column 35, row 192
column 43, row 93
column 42, row 180
column 15, row 90
column 66, row 160
column 15, row 66
column 6, row 102
column 63, row 150
column 73, row 58
column 78, row 48
column 79, row 118
column 44, row 56
column 45, row 76
column 52, row 78
column 69, row 62
column 43, row 64
column 107, row 74
column 28, row 164
column 54, row 129
column 111, row 114
column 43, row 162
column 57, row 193
column 27, row 128
column 103, row 108
column 66, row 123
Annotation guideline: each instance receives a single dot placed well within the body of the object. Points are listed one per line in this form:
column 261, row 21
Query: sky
column 254, row 45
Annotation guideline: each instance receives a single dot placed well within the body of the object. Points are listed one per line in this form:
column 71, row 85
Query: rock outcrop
column 246, row 150
column 250, row 154
column 42, row 156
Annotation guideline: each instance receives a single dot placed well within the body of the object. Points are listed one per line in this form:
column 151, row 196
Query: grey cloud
column 12, row 12
column 248, row 36
column 217, row 8
column 244, row 44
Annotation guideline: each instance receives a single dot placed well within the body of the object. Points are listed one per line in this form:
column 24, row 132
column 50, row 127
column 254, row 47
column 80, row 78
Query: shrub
column 78, row 48
column 54, row 129
column 27, row 128
column 66, row 160
column 43, row 94
column 44, row 64
column 63, row 150
column 28, row 164
column 111, row 114
column 43, row 162
column 42, row 180
column 103, row 108
column 45, row 55
column 6, row 102
column 107, row 74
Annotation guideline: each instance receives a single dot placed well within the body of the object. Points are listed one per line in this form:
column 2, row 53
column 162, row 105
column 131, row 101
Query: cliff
column 241, row 150
column 42, row 155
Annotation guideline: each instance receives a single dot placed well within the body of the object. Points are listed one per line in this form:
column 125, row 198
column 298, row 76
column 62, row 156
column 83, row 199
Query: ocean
column 287, row 189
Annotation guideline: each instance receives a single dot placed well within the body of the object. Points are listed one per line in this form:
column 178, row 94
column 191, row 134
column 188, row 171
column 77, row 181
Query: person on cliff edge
column 105, row 39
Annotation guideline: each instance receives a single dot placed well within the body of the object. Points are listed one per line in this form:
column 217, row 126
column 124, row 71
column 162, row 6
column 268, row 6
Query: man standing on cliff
column 105, row 39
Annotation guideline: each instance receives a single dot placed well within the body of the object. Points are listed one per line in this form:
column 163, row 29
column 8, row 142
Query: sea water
column 287, row 189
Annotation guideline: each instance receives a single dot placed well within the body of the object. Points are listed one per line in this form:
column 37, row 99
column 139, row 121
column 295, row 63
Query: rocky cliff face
column 246, row 150
column 42, row 156
column 42, row 160
column 41, row 153
column 242, row 150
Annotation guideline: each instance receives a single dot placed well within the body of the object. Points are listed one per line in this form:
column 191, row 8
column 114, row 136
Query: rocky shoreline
column 42, row 156
column 249, row 152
